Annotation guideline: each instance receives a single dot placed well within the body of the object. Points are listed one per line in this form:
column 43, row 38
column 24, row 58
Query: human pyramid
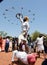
column 23, row 54
column 23, row 36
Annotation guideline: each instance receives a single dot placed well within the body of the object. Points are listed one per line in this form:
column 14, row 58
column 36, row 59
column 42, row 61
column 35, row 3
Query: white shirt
column 22, row 56
column 40, row 40
column 40, row 45
column 25, row 25
column 21, row 37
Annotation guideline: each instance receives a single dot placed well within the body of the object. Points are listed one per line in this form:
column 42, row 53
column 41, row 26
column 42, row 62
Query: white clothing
column 21, row 55
column 10, row 45
column 23, row 47
column 40, row 44
column 25, row 25
column 40, row 47
column 0, row 48
column 21, row 37
column 7, row 40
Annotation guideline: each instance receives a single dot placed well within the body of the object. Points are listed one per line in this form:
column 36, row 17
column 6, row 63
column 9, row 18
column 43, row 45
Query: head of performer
column 26, row 19
column 40, row 35
column 32, row 58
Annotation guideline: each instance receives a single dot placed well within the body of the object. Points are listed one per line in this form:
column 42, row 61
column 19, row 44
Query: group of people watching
column 29, row 51
column 24, row 47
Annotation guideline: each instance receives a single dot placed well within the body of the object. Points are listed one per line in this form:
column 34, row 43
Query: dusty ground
column 5, row 59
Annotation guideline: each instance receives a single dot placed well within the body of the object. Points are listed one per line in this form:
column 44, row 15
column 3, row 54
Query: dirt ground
column 5, row 59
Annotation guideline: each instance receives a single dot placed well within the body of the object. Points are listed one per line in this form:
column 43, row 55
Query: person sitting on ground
column 28, row 59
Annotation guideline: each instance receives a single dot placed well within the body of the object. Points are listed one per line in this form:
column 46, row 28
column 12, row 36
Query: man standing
column 40, row 46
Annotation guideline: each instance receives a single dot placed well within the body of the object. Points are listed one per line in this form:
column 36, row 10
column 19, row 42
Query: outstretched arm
column 14, row 55
column 21, row 19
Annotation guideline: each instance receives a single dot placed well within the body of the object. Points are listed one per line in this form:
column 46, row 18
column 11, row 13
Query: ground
column 5, row 59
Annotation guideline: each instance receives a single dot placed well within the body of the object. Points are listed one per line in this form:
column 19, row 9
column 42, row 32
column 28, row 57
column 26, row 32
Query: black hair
column 44, row 62
column 24, row 19
column 40, row 35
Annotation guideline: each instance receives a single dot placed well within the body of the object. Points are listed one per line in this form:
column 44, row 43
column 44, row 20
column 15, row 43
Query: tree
column 3, row 34
column 35, row 35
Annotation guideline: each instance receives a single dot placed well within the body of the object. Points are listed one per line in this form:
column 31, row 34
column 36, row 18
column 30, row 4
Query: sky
column 36, row 10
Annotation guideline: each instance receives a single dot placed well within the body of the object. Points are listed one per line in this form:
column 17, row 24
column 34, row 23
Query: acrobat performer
column 24, row 22
column 28, row 59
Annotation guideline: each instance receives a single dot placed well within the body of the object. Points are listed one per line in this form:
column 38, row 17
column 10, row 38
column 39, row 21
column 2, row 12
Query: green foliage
column 35, row 35
column 3, row 34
